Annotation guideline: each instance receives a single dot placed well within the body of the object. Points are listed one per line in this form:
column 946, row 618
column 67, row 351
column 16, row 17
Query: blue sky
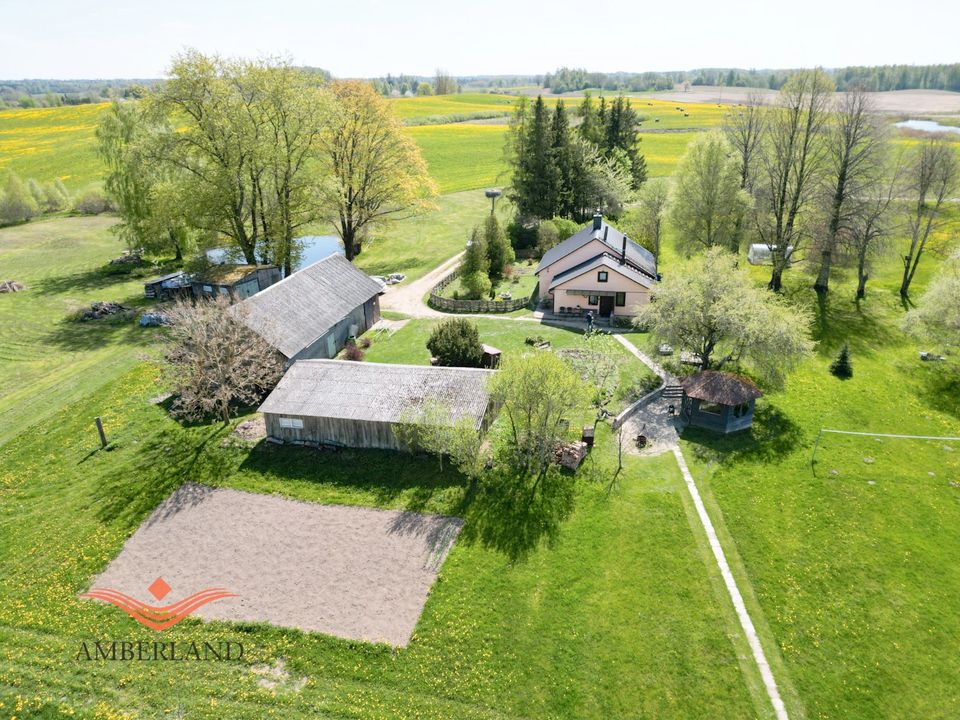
column 89, row 39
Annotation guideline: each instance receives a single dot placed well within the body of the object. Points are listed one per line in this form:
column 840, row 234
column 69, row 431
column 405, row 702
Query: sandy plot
column 356, row 573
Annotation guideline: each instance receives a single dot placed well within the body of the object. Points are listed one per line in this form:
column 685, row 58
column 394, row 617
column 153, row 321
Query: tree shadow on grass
column 132, row 490
column 940, row 388
column 772, row 436
column 391, row 479
column 507, row 515
column 73, row 335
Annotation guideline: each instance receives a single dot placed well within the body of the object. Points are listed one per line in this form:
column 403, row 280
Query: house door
column 606, row 306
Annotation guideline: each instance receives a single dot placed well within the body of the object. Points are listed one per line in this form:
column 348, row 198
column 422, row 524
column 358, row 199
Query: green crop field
column 419, row 110
column 463, row 156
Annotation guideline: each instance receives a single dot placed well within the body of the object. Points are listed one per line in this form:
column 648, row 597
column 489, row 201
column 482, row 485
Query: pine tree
column 475, row 258
column 842, row 367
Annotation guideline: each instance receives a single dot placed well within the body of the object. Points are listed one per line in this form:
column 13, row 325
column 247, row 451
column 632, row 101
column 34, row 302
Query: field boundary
column 746, row 623
column 816, row 444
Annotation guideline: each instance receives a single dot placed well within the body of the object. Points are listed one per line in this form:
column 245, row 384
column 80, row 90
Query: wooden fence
column 455, row 305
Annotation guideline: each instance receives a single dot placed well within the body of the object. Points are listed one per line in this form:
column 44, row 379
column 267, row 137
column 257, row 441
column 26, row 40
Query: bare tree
column 744, row 127
column 214, row 361
column 931, row 178
column 870, row 229
column 791, row 163
column 854, row 150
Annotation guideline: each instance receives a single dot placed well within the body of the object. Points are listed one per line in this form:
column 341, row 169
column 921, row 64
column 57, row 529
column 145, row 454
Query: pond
column 928, row 126
column 315, row 247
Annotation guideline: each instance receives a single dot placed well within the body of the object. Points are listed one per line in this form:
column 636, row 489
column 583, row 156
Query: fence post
column 103, row 435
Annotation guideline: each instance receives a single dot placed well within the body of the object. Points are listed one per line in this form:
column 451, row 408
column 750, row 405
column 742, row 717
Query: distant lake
column 315, row 247
column 928, row 126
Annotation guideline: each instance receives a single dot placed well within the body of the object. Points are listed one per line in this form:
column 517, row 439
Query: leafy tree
column 855, row 153
column 791, row 167
column 842, row 367
column 377, row 171
column 424, row 89
column 16, row 202
column 499, row 253
column 937, row 315
column 477, row 284
column 711, row 308
column 430, row 428
column 55, row 196
column 931, row 179
column 214, row 362
column 475, row 257
column 553, row 231
column 444, row 83
column 535, row 393
column 645, row 222
column 456, row 342
column 706, row 203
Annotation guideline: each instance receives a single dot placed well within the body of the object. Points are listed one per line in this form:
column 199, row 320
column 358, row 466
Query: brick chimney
column 597, row 220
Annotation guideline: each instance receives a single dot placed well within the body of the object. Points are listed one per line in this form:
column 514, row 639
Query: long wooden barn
column 360, row 404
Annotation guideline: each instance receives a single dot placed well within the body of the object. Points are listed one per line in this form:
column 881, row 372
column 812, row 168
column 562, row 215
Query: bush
column 456, row 343
column 842, row 367
column 477, row 284
column 522, row 236
column 365, row 342
column 352, row 352
column 93, row 203
column 534, row 339
column 16, row 202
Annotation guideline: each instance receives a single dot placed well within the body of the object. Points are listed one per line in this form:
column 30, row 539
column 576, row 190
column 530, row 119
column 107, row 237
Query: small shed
column 718, row 401
column 491, row 356
column 237, row 281
column 360, row 404
column 168, row 287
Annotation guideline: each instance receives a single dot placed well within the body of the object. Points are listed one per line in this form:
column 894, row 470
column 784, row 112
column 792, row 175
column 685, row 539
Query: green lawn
column 409, row 345
column 853, row 560
column 45, row 360
column 618, row 616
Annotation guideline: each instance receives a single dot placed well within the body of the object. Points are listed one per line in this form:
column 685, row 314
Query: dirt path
column 408, row 299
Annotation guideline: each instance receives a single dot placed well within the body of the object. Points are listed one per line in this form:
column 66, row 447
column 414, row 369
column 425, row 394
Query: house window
column 602, row 276
column 592, row 300
column 208, row 288
column 621, row 299
column 291, row 423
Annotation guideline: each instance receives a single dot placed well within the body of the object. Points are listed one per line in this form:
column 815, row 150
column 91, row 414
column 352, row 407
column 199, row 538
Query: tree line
column 811, row 176
column 254, row 152
column 567, row 171
column 873, row 78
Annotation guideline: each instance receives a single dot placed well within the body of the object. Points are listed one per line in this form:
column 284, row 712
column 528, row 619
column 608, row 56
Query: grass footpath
column 616, row 617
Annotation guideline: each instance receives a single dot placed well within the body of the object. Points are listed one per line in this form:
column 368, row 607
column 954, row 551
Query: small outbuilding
column 360, row 404
column 237, row 281
column 312, row 313
column 718, row 401
column 168, row 287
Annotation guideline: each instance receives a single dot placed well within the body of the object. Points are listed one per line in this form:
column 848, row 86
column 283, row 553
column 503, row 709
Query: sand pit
column 355, row 573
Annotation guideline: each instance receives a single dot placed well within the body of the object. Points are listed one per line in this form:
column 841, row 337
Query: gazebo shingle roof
column 720, row 387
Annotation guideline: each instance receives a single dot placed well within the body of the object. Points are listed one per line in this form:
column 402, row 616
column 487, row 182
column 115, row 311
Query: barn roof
column 228, row 274
column 297, row 311
column 609, row 236
column 720, row 387
column 606, row 261
column 377, row 392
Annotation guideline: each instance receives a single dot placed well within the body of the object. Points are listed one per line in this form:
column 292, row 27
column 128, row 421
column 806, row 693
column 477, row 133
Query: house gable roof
column 297, row 311
column 602, row 260
column 720, row 387
column 377, row 392
column 609, row 236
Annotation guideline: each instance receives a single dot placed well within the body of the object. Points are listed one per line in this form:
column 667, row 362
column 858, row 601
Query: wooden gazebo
column 718, row 401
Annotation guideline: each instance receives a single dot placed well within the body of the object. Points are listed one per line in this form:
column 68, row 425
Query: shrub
column 16, row 202
column 477, row 284
column 352, row 352
column 456, row 343
column 842, row 367
column 365, row 342
column 534, row 339
column 93, row 203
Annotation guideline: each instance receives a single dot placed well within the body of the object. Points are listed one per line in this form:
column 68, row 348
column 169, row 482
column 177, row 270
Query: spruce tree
column 499, row 252
column 842, row 367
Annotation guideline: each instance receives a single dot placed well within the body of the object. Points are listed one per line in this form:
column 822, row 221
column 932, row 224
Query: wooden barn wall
column 333, row 431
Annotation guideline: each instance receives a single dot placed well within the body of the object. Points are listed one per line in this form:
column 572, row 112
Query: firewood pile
column 99, row 310
column 570, row 455
column 11, row 286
